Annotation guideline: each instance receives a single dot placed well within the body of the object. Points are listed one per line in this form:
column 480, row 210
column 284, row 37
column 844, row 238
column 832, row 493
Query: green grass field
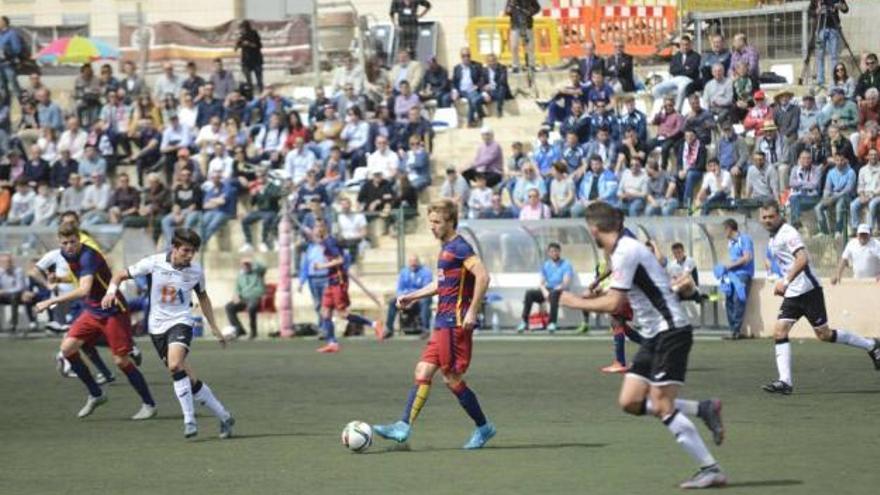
column 559, row 427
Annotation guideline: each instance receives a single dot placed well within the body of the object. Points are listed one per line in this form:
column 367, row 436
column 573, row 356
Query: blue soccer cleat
column 399, row 431
column 480, row 437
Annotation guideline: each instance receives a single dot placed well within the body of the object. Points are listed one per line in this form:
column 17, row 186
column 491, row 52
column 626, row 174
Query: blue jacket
column 840, row 183
column 228, row 189
column 544, row 158
column 314, row 254
column 411, row 281
column 636, row 120
column 10, row 44
column 607, row 185
column 573, row 157
column 737, row 249
column 593, row 147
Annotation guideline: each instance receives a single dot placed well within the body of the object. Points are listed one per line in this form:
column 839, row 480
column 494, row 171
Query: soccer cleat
column 778, row 387
column 875, row 354
column 710, row 412
column 190, row 430
column 584, row 328
column 146, row 412
column 551, row 328
column 92, row 403
column 102, row 379
column 399, row 431
column 136, row 355
column 481, row 435
column 379, row 328
column 226, row 427
column 264, row 248
column 246, row 248
column 614, row 367
column 330, row 348
column 521, row 327
column 706, row 477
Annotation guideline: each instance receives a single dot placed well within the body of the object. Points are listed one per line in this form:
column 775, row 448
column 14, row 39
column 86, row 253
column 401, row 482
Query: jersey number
column 169, row 294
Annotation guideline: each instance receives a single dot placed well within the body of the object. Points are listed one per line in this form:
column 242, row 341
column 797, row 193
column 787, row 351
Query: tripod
column 806, row 72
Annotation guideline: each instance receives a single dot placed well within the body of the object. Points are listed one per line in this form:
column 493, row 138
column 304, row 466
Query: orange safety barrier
column 574, row 25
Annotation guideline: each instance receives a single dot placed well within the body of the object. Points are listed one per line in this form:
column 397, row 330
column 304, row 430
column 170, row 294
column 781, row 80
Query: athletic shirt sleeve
column 847, row 251
column 463, row 250
column 792, row 239
column 623, row 270
column 89, row 263
column 48, row 261
column 331, row 249
column 142, row 267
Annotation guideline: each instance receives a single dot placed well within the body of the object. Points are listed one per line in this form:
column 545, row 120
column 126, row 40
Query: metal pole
column 316, row 52
column 805, row 25
column 285, row 294
column 144, row 39
column 401, row 239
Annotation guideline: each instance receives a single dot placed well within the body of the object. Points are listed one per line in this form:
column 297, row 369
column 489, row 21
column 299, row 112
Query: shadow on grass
column 843, row 392
column 535, row 446
column 764, row 483
column 251, row 436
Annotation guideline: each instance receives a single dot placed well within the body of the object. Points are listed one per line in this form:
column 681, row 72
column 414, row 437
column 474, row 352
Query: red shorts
column 335, row 297
column 450, row 349
column 621, row 317
column 88, row 327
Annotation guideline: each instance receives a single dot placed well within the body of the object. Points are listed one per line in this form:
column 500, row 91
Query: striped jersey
column 89, row 261
column 338, row 274
column 455, row 284
column 783, row 246
column 170, row 290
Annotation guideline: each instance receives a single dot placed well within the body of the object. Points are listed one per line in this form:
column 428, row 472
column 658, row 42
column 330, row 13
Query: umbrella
column 76, row 50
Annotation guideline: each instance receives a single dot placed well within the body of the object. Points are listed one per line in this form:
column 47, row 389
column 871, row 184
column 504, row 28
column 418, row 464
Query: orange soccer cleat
column 330, row 348
column 614, row 367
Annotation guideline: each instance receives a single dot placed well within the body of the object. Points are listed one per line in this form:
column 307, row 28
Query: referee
column 407, row 22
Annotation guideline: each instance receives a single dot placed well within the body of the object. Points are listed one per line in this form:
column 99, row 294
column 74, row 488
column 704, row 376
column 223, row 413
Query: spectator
column 107, row 81
column 87, row 95
column 762, row 181
column 559, row 105
column 840, row 112
column 840, row 186
column 841, row 80
column 192, row 84
column 743, row 91
column 73, row 196
column 467, row 79
column 27, row 130
column 147, row 139
column 670, row 126
column 211, row 133
column 92, row 163
column 223, row 80
column 599, row 184
column 692, row 165
column 597, row 91
column 45, row 206
column 12, row 279
column 495, row 86
column 557, row 275
column 265, row 197
column 349, row 74
column 526, row 182
column 250, row 287
column 700, row 120
column 209, row 107
column 497, row 210
column 133, row 84
column 589, row 62
column 405, row 101
column 405, row 15
column 480, row 197
column 456, row 188
column 298, row 161
column 718, row 93
column 22, row 208
column 741, row 249
column 758, row 115
column 603, row 147
column 334, row 173
column 412, row 278
column 356, row 136
column 327, row 133
column 534, row 209
column 685, row 71
column 572, row 155
column 828, row 33
column 145, row 108
column 562, row 191
column 862, row 254
column 186, row 203
column 48, row 112
column 743, row 52
column 662, row 198
column 73, row 138
column 804, row 183
column 48, row 143
column 251, row 47
column 435, row 84
column 414, row 125
column 383, row 160
column 838, row 144
column 632, row 118
column 417, row 164
column 631, row 148
column 619, row 68
column 867, row 193
column 175, row 137
column 732, row 153
column 115, row 116
column 407, row 70
column 309, row 191
column 219, row 199
column 717, row 188
column 717, row 55
column 376, row 196
column 187, row 111
column 869, row 108
column 168, row 83
column 10, row 50
column 809, row 115
column 870, row 78
column 633, row 189
column 489, row 160
column 544, row 155
column 125, row 203
column 36, row 170
column 352, row 227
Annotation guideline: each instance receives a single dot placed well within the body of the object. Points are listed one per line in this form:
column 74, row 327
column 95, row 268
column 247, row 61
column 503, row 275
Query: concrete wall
column 852, row 305
column 860, row 26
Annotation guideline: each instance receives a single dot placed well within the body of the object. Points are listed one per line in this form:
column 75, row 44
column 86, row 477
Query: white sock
column 851, row 339
column 689, row 407
column 183, row 390
column 783, row 360
column 207, row 399
column 686, row 435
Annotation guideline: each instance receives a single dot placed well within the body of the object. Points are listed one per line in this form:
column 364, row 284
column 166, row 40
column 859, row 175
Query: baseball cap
column 864, row 229
column 759, row 95
column 486, row 130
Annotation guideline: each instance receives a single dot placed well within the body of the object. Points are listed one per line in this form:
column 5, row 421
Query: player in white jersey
column 173, row 278
column 802, row 298
column 658, row 369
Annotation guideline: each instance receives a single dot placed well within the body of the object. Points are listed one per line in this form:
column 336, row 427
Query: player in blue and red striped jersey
column 461, row 283
column 93, row 275
column 335, row 296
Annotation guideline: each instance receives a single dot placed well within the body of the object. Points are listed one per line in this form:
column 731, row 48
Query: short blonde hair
column 446, row 208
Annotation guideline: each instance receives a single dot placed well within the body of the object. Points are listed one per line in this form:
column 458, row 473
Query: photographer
column 828, row 35
column 521, row 14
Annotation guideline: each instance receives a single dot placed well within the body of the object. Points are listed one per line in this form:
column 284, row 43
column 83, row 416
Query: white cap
column 864, row 229
column 486, row 130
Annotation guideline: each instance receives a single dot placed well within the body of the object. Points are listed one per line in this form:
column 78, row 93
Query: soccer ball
column 357, row 436
column 63, row 366
column 229, row 333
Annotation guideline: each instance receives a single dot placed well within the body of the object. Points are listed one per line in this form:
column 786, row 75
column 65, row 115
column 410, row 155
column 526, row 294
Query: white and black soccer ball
column 357, row 436
column 229, row 333
column 62, row 365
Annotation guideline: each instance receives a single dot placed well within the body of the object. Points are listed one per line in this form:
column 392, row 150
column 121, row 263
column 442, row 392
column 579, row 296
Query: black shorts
column 809, row 305
column 662, row 360
column 178, row 334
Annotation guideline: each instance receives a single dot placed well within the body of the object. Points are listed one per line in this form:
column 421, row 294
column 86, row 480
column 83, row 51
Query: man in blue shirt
column 316, row 278
column 556, row 277
column 742, row 267
column 840, row 187
column 219, row 200
column 412, row 278
column 10, row 49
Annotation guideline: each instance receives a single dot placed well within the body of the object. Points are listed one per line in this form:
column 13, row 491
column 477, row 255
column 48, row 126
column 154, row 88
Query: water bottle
column 198, row 326
column 495, row 325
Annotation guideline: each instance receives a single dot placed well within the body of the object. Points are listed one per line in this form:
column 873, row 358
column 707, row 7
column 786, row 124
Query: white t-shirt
column 221, row 164
column 351, row 224
column 170, row 290
column 865, row 260
column 676, row 268
column 783, row 247
column 636, row 270
column 62, row 270
column 714, row 184
column 634, row 184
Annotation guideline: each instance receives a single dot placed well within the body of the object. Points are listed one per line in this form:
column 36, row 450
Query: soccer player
column 93, row 274
column 658, row 368
column 461, row 283
column 802, row 297
column 335, row 296
column 173, row 278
